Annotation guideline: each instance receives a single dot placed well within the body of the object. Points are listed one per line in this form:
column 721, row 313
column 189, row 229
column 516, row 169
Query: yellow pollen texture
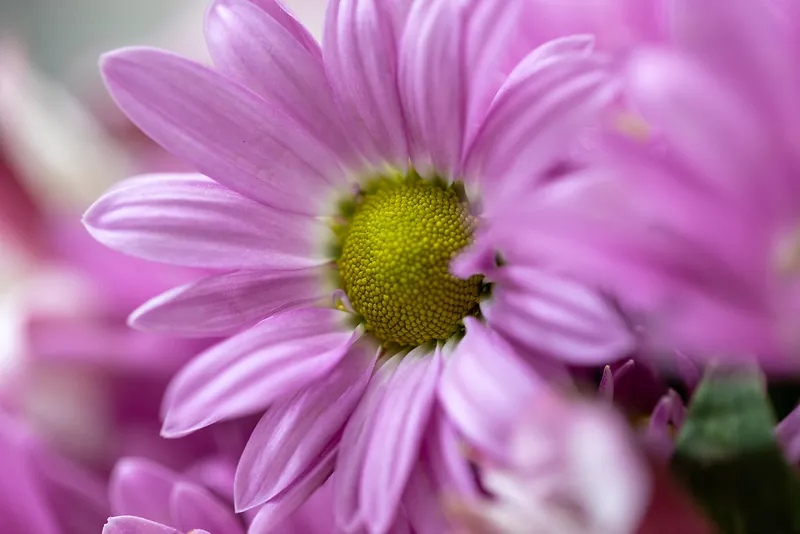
column 395, row 263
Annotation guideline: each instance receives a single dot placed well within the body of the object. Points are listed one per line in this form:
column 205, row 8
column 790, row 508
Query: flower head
column 693, row 226
column 342, row 182
column 574, row 469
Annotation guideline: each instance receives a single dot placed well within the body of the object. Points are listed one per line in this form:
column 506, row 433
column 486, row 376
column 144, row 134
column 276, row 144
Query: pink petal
column 396, row 437
column 496, row 38
column 465, row 50
column 360, row 48
column 443, row 453
column 226, row 131
column 137, row 525
column 263, row 53
column 274, row 512
column 193, row 507
column 557, row 316
column 708, row 124
column 746, row 42
column 788, row 434
column 534, row 121
column 250, row 371
column 188, row 219
column 442, row 473
column 354, row 446
column 291, row 437
column 431, row 57
column 23, row 504
column 142, row 488
column 421, row 503
column 280, row 13
column 563, row 46
column 314, row 516
column 78, row 497
column 222, row 304
column 483, row 386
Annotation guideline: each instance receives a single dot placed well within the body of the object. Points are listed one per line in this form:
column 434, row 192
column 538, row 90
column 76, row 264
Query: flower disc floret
column 396, row 253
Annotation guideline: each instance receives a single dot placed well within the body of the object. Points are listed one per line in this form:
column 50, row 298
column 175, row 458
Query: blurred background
column 65, row 37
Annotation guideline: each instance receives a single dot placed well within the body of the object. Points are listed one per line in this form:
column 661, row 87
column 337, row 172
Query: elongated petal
column 563, row 46
column 360, row 48
column 142, row 488
column 226, row 131
column 556, row 316
column 354, row 446
column 534, row 121
column 78, row 497
column 264, row 53
column 464, row 50
column 225, row 303
column 278, row 11
column 741, row 40
column 483, row 386
column 290, row 438
column 442, row 474
column 23, row 504
column 400, row 425
column 431, row 57
column 137, row 525
column 315, row 515
column 250, row 371
column 188, row 219
column 192, row 506
column 275, row 511
column 444, row 455
column 788, row 434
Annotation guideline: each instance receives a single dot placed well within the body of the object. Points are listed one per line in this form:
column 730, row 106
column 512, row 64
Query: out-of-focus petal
column 142, row 488
column 556, row 316
column 191, row 506
column 137, row 525
column 482, row 387
column 534, row 120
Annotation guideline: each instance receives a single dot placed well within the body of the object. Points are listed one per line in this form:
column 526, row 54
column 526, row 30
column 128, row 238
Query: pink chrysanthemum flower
column 694, row 221
column 358, row 170
column 575, row 469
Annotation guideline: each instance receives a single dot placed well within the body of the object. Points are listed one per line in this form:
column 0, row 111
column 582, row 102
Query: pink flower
column 43, row 492
column 692, row 219
column 575, row 469
column 357, row 170
column 149, row 491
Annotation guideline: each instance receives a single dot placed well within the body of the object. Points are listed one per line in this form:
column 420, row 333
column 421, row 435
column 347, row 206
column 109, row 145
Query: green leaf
column 727, row 457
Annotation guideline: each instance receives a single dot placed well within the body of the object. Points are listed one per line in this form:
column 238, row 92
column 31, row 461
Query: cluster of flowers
column 483, row 266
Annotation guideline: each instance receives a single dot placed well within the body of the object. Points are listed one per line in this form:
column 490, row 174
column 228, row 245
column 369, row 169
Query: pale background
column 65, row 37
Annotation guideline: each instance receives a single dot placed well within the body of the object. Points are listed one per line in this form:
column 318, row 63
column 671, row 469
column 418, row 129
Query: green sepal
column 727, row 458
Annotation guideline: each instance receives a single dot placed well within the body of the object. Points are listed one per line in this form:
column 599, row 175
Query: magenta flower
column 144, row 489
column 127, row 524
column 42, row 492
column 693, row 221
column 575, row 469
column 357, row 171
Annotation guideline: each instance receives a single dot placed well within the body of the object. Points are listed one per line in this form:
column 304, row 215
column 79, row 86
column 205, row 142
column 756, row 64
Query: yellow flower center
column 396, row 250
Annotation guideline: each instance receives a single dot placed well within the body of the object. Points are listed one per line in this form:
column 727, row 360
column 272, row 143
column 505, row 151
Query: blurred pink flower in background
column 574, row 468
column 690, row 217
column 78, row 388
